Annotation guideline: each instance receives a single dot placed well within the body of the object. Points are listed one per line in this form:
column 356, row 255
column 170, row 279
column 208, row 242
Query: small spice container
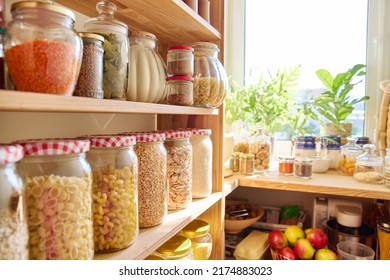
column 59, row 185
column 90, row 81
column 303, row 168
column 369, row 166
column 180, row 60
column 286, row 165
column 235, row 161
column 180, row 90
column 198, row 231
column 247, row 164
column 176, row 248
column 13, row 210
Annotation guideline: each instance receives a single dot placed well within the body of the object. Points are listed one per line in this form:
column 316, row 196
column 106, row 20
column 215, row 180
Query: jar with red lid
column 114, row 191
column 13, row 210
column 180, row 90
column 180, row 60
column 59, row 185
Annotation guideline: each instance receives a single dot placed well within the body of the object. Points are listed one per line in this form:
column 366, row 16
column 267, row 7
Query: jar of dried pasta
column 59, row 184
column 13, row 211
column 114, row 191
column 179, row 152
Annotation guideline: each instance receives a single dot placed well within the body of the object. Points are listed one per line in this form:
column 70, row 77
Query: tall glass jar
column 42, row 50
column 114, row 191
column 202, row 163
column 59, row 185
column 387, row 169
column 210, row 79
column 116, row 49
column 176, row 248
column 198, row 231
column 369, row 166
column 260, row 146
column 332, row 145
column 348, row 154
column 13, row 208
column 147, row 71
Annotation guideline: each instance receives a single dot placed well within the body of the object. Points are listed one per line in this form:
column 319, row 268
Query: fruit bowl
column 239, row 215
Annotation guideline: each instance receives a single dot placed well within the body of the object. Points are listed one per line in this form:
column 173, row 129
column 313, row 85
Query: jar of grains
column 198, row 231
column 59, row 185
column 247, row 164
column 180, row 90
column 13, row 210
column 90, row 81
column 260, row 147
column 152, row 178
column 114, row 191
column 369, row 166
column 42, row 50
column 116, row 49
column 202, row 162
column 179, row 156
column 348, row 154
column 180, row 60
column 176, row 248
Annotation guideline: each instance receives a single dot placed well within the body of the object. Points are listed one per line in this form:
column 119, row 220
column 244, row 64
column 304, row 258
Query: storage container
column 253, row 247
column 180, row 90
column 369, row 166
column 305, row 146
column 180, row 60
column 204, row 9
column 332, row 145
column 176, row 248
column 198, row 231
column 303, row 168
column 286, row 165
column 234, row 163
column 260, row 147
column 348, row 154
column 247, row 164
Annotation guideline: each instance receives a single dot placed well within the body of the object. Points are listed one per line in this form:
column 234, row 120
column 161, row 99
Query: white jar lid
column 349, row 216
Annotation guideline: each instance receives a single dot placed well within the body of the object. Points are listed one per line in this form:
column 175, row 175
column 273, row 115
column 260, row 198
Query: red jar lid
column 10, row 153
column 180, row 47
column 111, row 141
column 180, row 78
column 149, row 136
column 175, row 134
column 51, row 147
column 201, row 131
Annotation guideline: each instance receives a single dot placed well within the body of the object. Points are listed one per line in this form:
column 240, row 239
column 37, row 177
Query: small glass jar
column 114, row 191
column 247, row 164
column 90, row 81
column 260, row 146
column 286, row 165
column 305, row 146
column 202, row 162
column 13, row 210
column 198, row 231
column 348, row 154
column 386, row 171
column 59, row 185
column 303, row 168
column 180, row 90
column 176, row 248
column 332, row 145
column 180, row 60
column 235, row 161
column 369, row 166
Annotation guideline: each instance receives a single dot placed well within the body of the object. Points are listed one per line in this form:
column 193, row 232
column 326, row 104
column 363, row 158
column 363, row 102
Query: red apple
column 325, row 254
column 294, row 233
column 277, row 239
column 288, row 253
column 303, row 249
column 317, row 238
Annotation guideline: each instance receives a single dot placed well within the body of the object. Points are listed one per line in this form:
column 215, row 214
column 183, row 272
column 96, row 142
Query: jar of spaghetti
column 198, row 231
column 114, row 191
column 59, row 185
column 286, row 165
column 13, row 210
column 42, row 50
column 176, row 248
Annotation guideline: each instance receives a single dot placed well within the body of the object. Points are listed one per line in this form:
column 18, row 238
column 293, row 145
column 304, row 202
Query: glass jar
column 202, row 163
column 42, row 50
column 305, row 146
column 147, row 71
column 180, row 60
column 114, row 191
column 198, row 231
column 235, row 161
column 180, row 90
column 116, row 49
column 176, row 248
column 332, row 145
column 383, row 230
column 210, row 79
column 260, row 146
column 362, row 140
column 13, row 210
column 90, row 81
column 247, row 164
column 386, row 172
column 179, row 156
column 348, row 154
column 303, row 168
column 369, row 166
column 59, row 185
column 286, row 165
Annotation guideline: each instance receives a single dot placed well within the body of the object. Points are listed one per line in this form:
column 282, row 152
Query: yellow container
column 198, row 232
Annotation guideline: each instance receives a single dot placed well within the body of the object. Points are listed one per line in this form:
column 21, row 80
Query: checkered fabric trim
column 10, row 153
column 175, row 134
column 200, row 131
column 50, row 147
column 149, row 136
column 111, row 141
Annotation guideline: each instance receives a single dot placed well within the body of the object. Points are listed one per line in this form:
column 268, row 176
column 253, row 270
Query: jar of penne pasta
column 59, row 203
column 114, row 191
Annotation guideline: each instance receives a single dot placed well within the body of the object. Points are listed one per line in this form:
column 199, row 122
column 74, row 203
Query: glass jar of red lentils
column 42, row 50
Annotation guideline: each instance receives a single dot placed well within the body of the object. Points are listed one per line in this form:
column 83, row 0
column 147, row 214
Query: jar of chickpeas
column 114, row 191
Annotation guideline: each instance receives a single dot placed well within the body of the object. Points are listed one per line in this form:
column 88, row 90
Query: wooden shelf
column 151, row 238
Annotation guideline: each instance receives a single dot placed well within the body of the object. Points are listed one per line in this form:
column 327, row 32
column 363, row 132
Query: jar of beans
column 42, row 50
column 59, row 185
column 114, row 191
column 13, row 211
column 180, row 90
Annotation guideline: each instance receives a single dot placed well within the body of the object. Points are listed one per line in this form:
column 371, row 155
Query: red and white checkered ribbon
column 111, row 141
column 200, row 131
column 176, row 134
column 50, row 147
column 10, row 153
column 149, row 136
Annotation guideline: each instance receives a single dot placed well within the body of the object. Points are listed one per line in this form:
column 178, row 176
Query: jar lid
column 51, row 147
column 10, row 153
column 180, row 47
column 384, row 223
column 196, row 228
column 247, row 155
column 111, row 141
column 175, row 134
column 287, row 157
column 180, row 78
column 207, row 45
column 91, row 35
column 44, row 6
column 236, row 154
column 304, row 160
column 153, row 257
column 200, row 131
column 176, row 246
column 149, row 136
column 137, row 33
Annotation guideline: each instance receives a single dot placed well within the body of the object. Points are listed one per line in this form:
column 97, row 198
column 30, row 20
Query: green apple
column 325, row 254
column 293, row 234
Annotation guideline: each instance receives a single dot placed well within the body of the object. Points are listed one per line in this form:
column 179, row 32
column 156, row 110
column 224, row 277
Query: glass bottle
column 260, row 146
column 348, row 154
column 369, row 166
column 116, row 49
column 176, row 248
column 386, row 172
column 198, row 231
column 378, row 209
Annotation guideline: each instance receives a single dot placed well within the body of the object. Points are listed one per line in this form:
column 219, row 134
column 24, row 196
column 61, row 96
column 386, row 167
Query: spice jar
column 247, row 164
column 179, row 156
column 90, row 81
column 303, row 168
column 180, row 90
column 235, row 161
column 348, row 154
column 114, row 191
column 176, row 248
column 42, row 50
column 198, row 231
column 286, row 165
column 180, row 60
column 59, row 184
column 116, row 49
column 260, row 147
column 387, row 169
column 369, row 166
column 13, row 210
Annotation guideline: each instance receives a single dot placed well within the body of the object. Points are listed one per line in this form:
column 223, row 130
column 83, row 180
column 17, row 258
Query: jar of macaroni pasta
column 13, row 210
column 59, row 185
column 114, row 191
column 176, row 248
column 198, row 231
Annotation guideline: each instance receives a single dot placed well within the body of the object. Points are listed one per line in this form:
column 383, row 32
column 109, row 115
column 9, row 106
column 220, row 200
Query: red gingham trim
column 201, row 131
column 174, row 134
column 10, row 153
column 149, row 136
column 50, row 147
column 111, row 141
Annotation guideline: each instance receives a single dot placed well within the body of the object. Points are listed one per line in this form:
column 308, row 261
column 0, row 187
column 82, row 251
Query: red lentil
column 43, row 66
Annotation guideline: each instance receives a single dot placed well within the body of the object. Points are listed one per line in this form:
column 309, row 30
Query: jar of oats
column 13, row 211
column 260, row 147
column 114, row 191
column 179, row 151
column 58, row 181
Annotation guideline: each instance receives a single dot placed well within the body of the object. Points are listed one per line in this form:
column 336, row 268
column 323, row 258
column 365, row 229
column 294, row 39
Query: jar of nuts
column 348, row 154
column 260, row 146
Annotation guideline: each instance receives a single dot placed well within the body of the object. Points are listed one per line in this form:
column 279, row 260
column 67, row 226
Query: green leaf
column 326, row 78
